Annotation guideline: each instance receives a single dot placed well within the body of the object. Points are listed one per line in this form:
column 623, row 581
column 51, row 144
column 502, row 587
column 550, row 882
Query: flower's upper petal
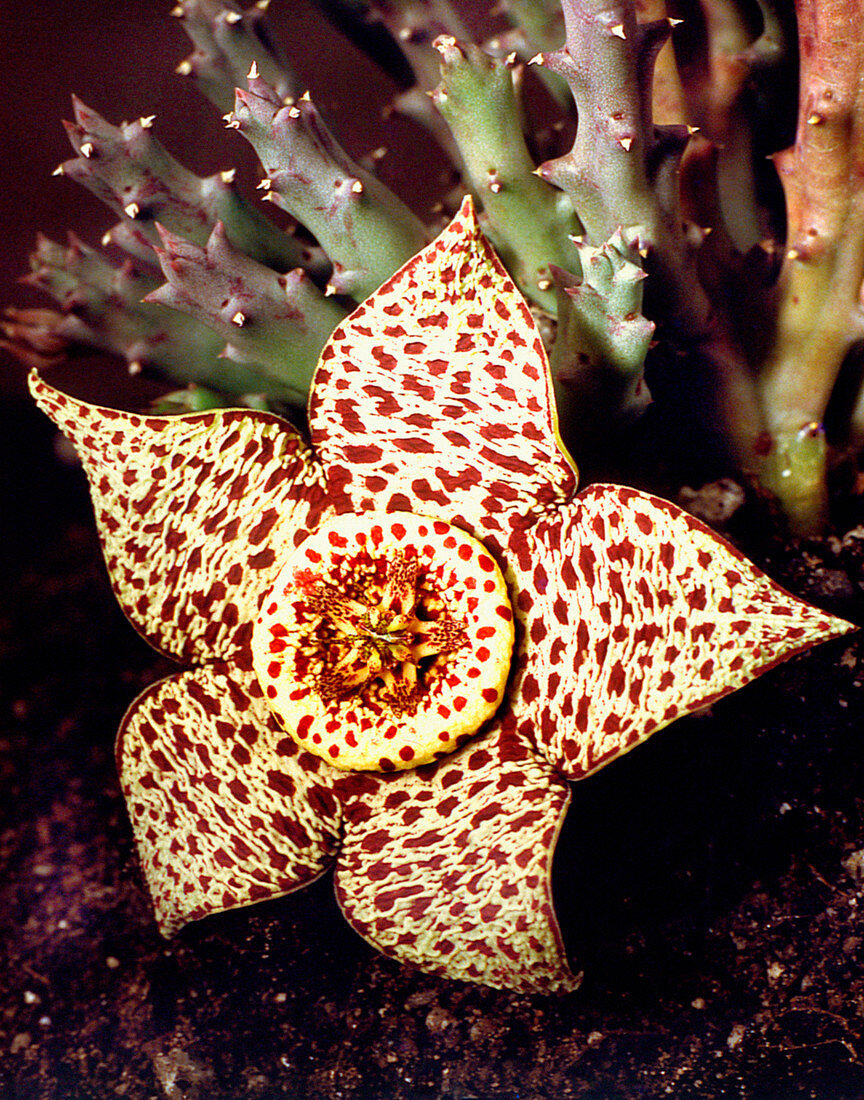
column 448, row 867
column 435, row 395
column 194, row 512
column 226, row 809
column 633, row 614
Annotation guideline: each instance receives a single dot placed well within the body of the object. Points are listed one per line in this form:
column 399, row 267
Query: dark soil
column 710, row 888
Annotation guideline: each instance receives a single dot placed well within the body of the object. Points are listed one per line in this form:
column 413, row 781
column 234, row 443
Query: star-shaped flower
column 348, row 611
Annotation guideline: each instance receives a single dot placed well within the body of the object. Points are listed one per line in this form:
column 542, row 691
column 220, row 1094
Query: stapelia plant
column 619, row 164
column 407, row 639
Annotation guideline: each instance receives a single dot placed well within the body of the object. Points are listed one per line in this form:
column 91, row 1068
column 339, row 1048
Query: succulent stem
column 819, row 312
column 128, row 169
column 228, row 41
column 273, row 324
column 623, row 171
column 102, row 307
column 602, row 342
column 527, row 220
column 367, row 232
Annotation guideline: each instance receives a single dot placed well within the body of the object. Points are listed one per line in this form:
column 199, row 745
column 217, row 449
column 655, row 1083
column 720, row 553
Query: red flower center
column 386, row 640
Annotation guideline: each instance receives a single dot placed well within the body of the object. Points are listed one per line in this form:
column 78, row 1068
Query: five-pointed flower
column 347, row 612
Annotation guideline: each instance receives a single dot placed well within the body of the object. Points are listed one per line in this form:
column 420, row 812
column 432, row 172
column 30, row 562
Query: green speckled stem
column 367, row 232
column 134, row 174
column 528, row 221
column 275, row 325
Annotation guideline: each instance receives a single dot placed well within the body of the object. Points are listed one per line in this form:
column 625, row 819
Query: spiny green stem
column 527, row 220
column 102, row 307
column 228, row 41
column 274, row 325
column 623, row 171
column 367, row 232
column 598, row 357
column 128, row 169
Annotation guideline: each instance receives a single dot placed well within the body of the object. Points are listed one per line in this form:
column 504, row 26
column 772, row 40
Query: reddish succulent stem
column 819, row 314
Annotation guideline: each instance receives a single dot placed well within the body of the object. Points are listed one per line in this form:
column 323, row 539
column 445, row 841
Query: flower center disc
column 385, row 641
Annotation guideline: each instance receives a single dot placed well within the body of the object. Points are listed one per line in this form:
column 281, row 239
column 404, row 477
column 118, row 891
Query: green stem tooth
column 274, row 325
column 367, row 231
column 129, row 170
column 228, row 41
column 526, row 219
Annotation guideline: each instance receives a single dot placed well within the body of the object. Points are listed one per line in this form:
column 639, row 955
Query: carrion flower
column 407, row 639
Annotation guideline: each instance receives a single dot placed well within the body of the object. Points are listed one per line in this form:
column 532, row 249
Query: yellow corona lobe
column 385, row 641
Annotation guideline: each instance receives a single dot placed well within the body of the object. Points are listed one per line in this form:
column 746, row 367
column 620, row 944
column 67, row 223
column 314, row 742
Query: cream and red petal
column 448, row 867
column 633, row 614
column 226, row 809
column 194, row 513
column 435, row 394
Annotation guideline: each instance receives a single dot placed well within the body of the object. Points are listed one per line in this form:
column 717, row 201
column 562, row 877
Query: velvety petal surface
column 448, row 866
column 435, row 395
column 635, row 613
column 226, row 809
column 194, row 513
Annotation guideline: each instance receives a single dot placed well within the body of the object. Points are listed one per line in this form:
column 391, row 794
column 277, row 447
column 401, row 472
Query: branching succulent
column 403, row 641
column 581, row 130
column 405, row 633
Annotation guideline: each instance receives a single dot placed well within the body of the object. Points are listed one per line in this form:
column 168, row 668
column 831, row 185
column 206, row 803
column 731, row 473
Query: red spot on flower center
column 379, row 641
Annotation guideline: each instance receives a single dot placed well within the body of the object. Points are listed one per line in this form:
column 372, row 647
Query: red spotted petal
column 635, row 613
column 226, row 809
column 194, row 513
column 435, row 395
column 448, row 867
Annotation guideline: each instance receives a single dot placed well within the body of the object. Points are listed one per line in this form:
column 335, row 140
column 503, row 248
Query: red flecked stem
column 818, row 294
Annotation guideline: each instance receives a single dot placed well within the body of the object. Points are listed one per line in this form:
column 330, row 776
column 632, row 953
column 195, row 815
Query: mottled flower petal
column 435, row 396
column 448, row 867
column 635, row 613
column 194, row 513
column 226, row 809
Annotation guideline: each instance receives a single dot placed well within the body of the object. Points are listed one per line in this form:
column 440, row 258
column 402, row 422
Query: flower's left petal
column 226, row 809
column 194, row 514
column 633, row 614
column 448, row 867
column 435, row 395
